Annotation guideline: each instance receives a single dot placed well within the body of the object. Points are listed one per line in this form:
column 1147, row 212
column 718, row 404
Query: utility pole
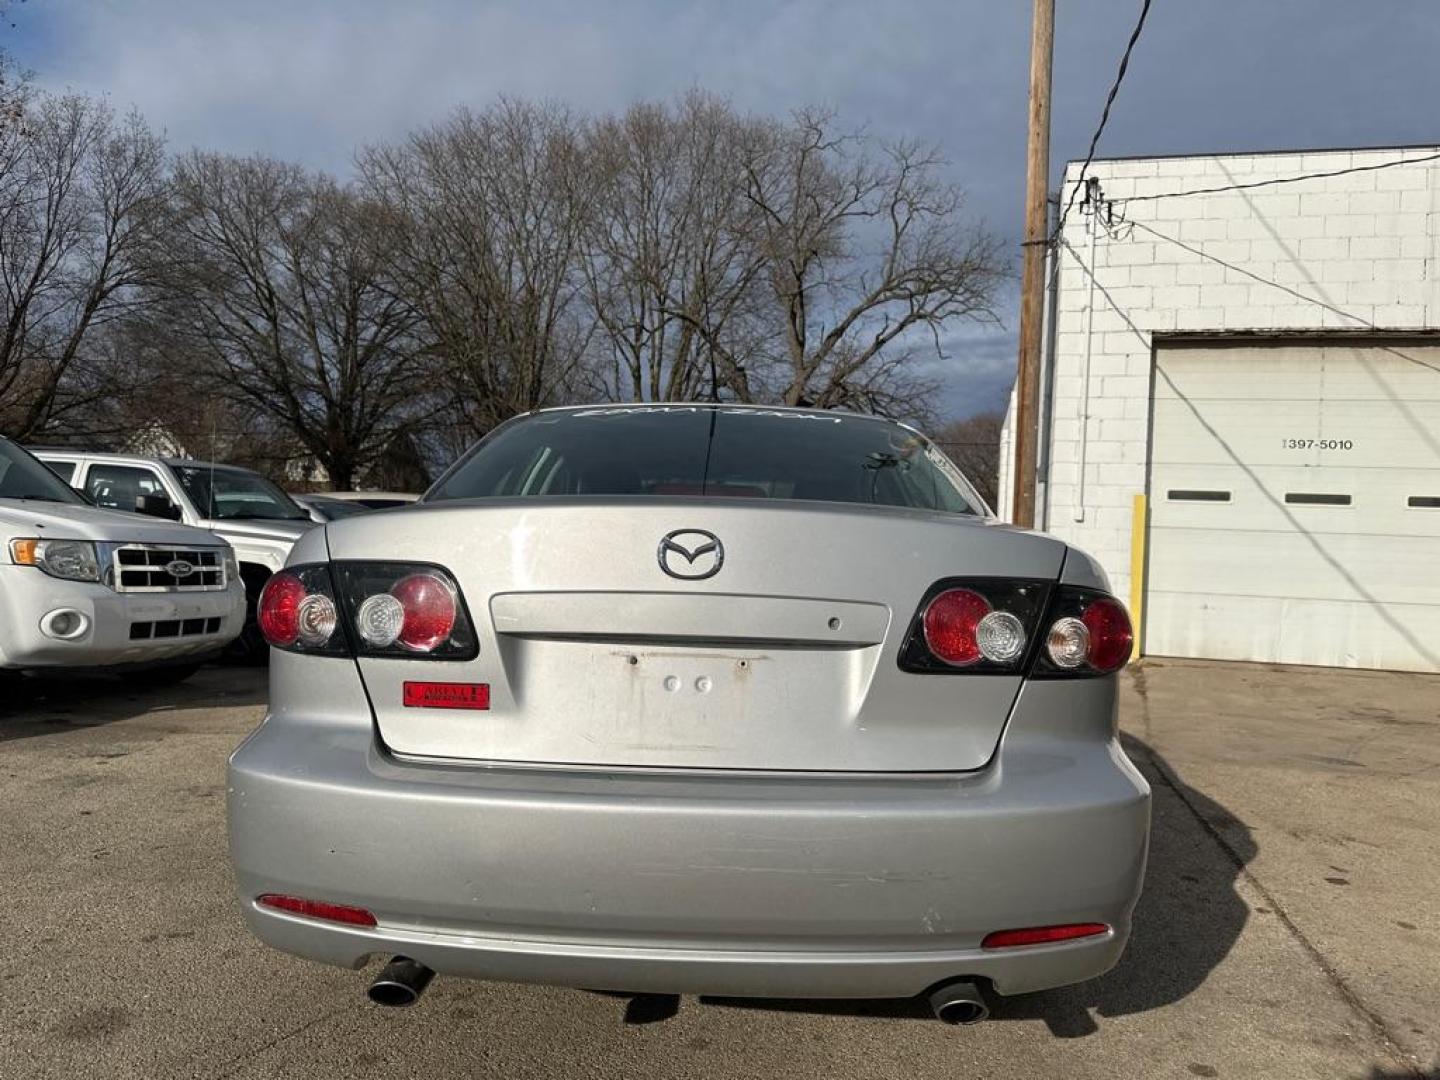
column 1032, row 280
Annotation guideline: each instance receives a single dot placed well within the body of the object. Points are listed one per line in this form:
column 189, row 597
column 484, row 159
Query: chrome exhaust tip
column 400, row 983
column 958, row 1003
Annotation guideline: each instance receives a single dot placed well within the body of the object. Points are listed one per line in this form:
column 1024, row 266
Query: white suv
column 88, row 588
column 240, row 506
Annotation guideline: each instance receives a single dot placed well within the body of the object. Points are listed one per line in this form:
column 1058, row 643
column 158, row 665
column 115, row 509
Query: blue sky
column 312, row 80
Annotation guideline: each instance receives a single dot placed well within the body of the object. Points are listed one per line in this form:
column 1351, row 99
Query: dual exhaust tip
column 400, row 983
column 959, row 1002
column 403, row 980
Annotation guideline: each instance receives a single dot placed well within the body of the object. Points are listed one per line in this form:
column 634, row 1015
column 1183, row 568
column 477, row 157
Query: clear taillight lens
column 1068, row 643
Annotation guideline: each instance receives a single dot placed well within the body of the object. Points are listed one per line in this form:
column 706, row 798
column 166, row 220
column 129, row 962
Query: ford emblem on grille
column 179, row 568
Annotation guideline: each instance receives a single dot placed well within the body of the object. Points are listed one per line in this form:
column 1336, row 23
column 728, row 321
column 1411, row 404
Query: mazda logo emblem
column 691, row 554
column 179, row 568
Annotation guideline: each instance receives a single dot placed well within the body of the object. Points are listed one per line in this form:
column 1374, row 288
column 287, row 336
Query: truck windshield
column 228, row 493
column 697, row 450
column 23, row 477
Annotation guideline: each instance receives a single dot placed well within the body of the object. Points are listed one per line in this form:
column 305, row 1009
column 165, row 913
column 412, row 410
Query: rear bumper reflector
column 441, row 695
column 1042, row 935
column 317, row 909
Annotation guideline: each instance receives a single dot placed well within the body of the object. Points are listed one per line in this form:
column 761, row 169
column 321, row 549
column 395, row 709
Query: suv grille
column 168, row 628
column 140, row 568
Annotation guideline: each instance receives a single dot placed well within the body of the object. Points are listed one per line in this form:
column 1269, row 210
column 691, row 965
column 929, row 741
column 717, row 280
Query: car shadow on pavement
column 32, row 706
column 1189, row 917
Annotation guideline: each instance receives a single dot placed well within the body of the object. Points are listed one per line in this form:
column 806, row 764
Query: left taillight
column 410, row 610
column 975, row 626
column 298, row 612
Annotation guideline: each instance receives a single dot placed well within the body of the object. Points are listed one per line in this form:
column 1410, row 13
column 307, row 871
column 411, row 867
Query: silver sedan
column 694, row 699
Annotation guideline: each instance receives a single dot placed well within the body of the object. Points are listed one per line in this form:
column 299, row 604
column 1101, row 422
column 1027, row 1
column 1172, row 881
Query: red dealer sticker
column 447, row 695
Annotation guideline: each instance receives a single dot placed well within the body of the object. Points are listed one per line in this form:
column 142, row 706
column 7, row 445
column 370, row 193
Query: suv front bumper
column 27, row 596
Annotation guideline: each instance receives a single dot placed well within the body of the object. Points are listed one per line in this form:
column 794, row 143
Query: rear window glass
column 678, row 450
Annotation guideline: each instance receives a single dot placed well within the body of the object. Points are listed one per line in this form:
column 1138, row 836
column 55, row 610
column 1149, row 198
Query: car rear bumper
column 777, row 971
column 738, row 885
column 180, row 625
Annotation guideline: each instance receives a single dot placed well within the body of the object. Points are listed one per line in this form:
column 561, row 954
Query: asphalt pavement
column 1290, row 925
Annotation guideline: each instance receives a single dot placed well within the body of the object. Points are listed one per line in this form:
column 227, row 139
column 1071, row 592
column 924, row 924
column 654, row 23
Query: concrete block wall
column 1339, row 252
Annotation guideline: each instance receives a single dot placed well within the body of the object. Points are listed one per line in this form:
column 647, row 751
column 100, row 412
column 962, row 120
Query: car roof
column 193, row 463
column 356, row 496
column 722, row 406
column 727, row 406
column 115, row 455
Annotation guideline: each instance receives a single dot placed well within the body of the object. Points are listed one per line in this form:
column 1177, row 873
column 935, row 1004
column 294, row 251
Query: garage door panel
column 1270, row 499
column 1326, row 543
column 1362, row 434
column 1284, row 630
column 1317, row 566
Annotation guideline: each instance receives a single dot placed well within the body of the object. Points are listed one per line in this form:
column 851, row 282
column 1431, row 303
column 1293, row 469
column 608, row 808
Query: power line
column 1104, row 115
column 1278, row 180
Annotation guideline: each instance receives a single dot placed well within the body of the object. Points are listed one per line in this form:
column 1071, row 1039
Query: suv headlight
column 232, row 565
column 73, row 560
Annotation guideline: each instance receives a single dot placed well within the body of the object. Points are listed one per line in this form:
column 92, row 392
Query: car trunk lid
column 782, row 658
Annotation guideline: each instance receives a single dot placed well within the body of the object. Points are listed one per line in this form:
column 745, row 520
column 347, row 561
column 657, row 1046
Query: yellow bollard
column 1138, row 533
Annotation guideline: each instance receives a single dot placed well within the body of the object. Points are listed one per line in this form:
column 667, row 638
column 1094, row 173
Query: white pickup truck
column 87, row 588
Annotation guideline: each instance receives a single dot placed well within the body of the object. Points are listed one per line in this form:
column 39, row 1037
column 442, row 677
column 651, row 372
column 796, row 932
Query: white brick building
column 1262, row 363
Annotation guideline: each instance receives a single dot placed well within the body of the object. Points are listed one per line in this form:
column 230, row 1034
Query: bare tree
column 82, row 197
column 974, row 445
column 669, row 259
column 284, row 285
column 492, row 207
column 867, row 261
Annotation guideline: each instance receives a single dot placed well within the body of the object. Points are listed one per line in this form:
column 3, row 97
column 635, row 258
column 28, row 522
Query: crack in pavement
column 1378, row 1027
column 245, row 1057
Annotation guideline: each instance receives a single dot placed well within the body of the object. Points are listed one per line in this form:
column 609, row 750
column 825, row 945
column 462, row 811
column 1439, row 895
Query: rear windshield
column 680, row 450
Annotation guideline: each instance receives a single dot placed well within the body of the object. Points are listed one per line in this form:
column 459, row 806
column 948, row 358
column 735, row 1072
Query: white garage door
column 1295, row 505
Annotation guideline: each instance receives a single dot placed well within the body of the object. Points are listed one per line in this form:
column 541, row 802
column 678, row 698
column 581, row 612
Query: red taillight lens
column 950, row 622
column 1042, row 935
column 1111, row 638
column 278, row 613
column 429, row 605
column 317, row 909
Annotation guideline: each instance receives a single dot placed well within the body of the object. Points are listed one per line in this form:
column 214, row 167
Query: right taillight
column 999, row 626
column 1087, row 632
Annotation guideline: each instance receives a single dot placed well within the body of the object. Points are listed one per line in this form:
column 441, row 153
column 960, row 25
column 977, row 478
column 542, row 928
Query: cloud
column 313, row 81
